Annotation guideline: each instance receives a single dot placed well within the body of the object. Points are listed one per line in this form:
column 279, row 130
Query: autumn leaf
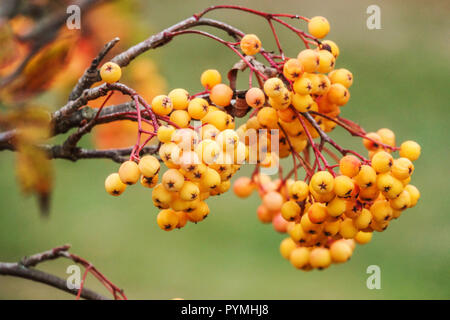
column 34, row 170
column 8, row 47
column 41, row 70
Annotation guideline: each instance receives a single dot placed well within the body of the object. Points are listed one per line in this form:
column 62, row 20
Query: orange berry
column 221, row 95
column 273, row 201
column 255, row 97
column 342, row 76
column 250, row 44
column 268, row 117
column 167, row 219
column 317, row 213
column 370, row 144
column 264, row 215
column 338, row 94
column 279, row 223
column 243, row 187
column 350, row 166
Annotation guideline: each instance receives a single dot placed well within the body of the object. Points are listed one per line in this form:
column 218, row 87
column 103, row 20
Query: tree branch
column 23, row 269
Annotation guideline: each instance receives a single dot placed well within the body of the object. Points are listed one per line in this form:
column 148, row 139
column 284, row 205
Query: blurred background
column 401, row 82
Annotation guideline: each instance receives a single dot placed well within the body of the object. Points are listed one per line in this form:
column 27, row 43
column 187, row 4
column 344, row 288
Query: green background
column 401, row 82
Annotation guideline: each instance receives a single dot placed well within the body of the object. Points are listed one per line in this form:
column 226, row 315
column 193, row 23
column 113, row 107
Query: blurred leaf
column 8, row 45
column 41, row 70
column 33, row 168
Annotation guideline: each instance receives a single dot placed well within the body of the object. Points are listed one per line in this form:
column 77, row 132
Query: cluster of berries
column 325, row 217
column 200, row 160
column 308, row 83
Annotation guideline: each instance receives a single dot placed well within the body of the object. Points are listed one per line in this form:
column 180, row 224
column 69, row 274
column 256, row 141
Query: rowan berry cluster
column 326, row 214
column 292, row 112
column 200, row 160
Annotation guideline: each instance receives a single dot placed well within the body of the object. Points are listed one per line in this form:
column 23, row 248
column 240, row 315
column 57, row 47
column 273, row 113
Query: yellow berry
column 381, row 211
column 149, row 166
column 199, row 213
column 274, row 87
column 162, row 105
column 382, row 162
column 172, row 180
column 179, row 98
column 198, row 108
column 336, row 207
column 217, row 118
column 286, row 247
column 326, row 61
column 387, row 136
column 363, row 237
column 342, row 76
column 322, row 182
column 149, row 182
column 165, row 133
column 207, row 151
column 110, row 72
column 181, row 118
column 189, row 191
column 299, row 257
column 402, row 202
column 366, row 177
column 302, row 85
column 114, row 185
column 347, row 229
column 161, row 197
column 343, row 186
column 298, row 191
column 414, row 194
column 129, row 172
column 292, row 69
column 302, row 103
column 318, row 27
column 330, row 46
column 320, row 258
column 210, row 78
column 402, row 168
column 340, row 251
column 410, row 149
column 363, row 220
column 210, row 180
column 290, row 210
